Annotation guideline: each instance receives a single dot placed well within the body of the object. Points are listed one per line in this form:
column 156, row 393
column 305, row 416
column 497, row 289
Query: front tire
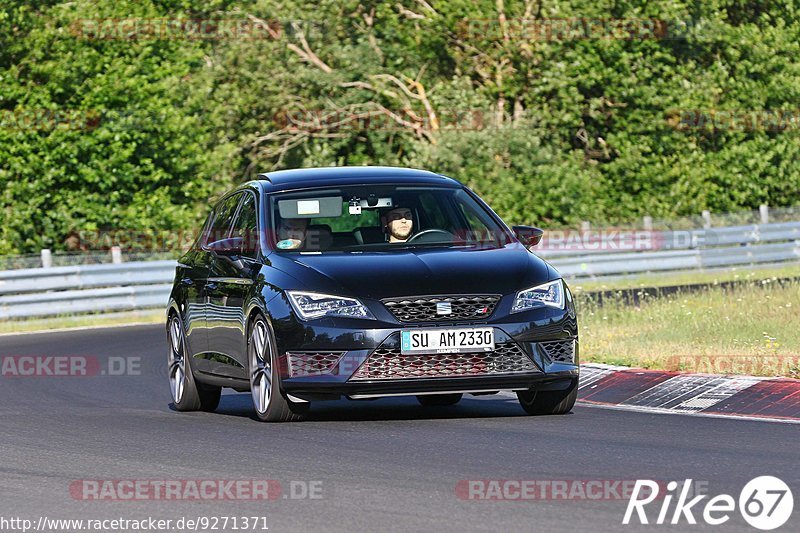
column 270, row 403
column 550, row 402
column 187, row 394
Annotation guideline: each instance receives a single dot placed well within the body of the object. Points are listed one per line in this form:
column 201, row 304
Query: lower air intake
column 559, row 351
column 312, row 363
column 388, row 363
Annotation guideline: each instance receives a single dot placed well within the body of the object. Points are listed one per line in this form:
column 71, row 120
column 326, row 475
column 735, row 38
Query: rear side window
column 246, row 226
column 223, row 219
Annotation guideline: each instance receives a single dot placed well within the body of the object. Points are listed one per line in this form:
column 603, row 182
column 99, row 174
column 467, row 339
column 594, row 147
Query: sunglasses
column 397, row 216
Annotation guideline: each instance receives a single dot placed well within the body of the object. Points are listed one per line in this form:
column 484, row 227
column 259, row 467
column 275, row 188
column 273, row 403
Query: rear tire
column 439, row 400
column 270, row 403
column 550, row 402
column 187, row 394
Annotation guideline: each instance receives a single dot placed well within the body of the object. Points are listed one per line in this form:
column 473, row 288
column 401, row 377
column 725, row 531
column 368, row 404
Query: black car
column 366, row 282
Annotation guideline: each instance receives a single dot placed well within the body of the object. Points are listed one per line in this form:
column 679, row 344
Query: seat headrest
column 369, row 235
column 318, row 237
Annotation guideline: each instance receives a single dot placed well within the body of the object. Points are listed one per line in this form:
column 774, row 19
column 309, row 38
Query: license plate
column 447, row 340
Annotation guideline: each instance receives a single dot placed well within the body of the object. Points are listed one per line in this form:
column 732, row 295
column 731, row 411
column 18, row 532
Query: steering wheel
column 431, row 235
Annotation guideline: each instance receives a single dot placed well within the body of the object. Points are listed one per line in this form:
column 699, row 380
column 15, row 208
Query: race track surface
column 385, row 465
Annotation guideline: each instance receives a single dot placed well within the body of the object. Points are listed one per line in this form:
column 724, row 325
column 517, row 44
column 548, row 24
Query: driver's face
column 292, row 228
column 400, row 224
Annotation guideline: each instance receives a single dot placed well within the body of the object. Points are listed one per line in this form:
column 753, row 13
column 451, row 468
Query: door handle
column 187, row 281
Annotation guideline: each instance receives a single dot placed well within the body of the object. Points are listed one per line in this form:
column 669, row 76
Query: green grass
column 102, row 319
column 686, row 278
column 753, row 329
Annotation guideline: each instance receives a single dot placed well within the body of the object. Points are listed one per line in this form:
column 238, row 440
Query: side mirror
column 527, row 235
column 227, row 247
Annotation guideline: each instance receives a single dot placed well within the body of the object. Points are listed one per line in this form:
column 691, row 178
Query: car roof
column 302, row 178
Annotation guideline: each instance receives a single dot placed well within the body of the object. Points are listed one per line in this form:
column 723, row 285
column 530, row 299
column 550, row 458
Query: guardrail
column 592, row 242
column 146, row 285
column 641, row 262
column 84, row 289
column 85, row 276
column 128, row 298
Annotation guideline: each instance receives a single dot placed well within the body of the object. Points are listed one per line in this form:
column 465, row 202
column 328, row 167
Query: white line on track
column 660, row 411
column 691, row 392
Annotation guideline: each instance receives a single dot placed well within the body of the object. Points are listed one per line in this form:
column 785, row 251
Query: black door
column 197, row 285
column 192, row 273
column 230, row 282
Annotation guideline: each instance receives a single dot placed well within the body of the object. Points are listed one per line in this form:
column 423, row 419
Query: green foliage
column 549, row 131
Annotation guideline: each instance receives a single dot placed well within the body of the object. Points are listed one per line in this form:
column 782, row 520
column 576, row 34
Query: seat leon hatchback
column 366, row 282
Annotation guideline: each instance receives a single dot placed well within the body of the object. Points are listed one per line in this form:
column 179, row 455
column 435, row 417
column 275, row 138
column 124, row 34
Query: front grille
column 389, row 363
column 424, row 308
column 559, row 351
column 312, row 363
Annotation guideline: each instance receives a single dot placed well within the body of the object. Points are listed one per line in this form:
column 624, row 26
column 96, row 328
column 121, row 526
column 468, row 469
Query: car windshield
column 388, row 217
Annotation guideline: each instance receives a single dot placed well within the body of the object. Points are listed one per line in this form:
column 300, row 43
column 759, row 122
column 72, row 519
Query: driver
column 398, row 223
column 292, row 233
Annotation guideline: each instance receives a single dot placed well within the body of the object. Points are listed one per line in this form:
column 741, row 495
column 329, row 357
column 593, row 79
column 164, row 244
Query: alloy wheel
column 176, row 361
column 260, row 367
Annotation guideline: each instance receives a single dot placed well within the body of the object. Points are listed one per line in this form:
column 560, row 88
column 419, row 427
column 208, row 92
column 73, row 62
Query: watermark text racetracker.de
column 41, row 119
column 578, row 28
column 193, row 29
column 38, row 366
column 606, row 239
column 767, row 120
column 149, row 523
column 547, row 489
column 765, row 364
column 176, row 490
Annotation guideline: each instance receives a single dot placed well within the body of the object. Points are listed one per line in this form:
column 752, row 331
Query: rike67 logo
column 765, row 503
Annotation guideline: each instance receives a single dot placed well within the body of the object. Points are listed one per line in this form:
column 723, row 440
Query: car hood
column 419, row 271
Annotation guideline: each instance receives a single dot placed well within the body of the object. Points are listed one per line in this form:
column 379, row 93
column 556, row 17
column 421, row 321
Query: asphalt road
column 386, row 465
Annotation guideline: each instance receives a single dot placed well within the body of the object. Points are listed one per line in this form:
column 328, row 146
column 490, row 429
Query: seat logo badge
column 444, row 308
column 482, row 311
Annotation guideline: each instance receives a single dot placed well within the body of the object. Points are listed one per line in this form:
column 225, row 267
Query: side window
column 223, row 219
column 471, row 216
column 203, row 238
column 246, row 226
column 477, row 221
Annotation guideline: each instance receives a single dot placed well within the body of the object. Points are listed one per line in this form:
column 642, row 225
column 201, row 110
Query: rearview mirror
column 226, row 247
column 528, row 235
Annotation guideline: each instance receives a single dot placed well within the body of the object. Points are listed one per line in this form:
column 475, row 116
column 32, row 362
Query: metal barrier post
column 47, row 258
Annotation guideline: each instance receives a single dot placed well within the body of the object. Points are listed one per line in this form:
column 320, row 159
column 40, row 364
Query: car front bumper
column 327, row 358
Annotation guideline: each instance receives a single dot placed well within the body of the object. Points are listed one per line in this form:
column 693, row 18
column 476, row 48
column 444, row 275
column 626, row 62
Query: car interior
column 348, row 221
column 320, row 236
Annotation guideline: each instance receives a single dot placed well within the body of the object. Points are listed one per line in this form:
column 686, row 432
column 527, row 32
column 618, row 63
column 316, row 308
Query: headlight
column 314, row 305
column 550, row 294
